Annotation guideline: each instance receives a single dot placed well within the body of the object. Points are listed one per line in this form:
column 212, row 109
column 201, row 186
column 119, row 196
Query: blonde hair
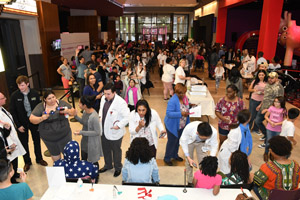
column 181, row 60
column 219, row 64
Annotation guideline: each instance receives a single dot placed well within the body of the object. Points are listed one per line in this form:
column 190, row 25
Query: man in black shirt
column 22, row 103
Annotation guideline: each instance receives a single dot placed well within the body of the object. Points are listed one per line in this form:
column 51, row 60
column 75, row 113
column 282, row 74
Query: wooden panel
column 4, row 89
column 111, row 27
column 49, row 31
column 84, row 24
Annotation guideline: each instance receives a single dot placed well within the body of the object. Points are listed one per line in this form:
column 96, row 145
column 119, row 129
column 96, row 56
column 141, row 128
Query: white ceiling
column 158, row 3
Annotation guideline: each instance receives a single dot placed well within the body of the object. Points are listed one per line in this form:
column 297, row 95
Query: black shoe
column 103, row 169
column 26, row 167
column 179, row 159
column 117, row 173
column 190, row 185
column 168, row 162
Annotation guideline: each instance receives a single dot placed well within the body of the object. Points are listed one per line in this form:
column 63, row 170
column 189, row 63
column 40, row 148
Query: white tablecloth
column 207, row 103
column 70, row 191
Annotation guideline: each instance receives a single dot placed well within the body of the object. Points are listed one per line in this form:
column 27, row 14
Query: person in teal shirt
column 9, row 191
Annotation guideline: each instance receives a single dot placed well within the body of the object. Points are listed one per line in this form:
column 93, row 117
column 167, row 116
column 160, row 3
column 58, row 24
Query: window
column 180, row 28
column 125, row 28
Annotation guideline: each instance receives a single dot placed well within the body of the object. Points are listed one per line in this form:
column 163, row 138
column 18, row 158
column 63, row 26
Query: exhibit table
column 206, row 101
column 71, row 191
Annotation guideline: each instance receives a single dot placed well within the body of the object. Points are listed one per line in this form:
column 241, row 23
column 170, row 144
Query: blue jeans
column 259, row 122
column 270, row 134
column 172, row 145
column 252, row 108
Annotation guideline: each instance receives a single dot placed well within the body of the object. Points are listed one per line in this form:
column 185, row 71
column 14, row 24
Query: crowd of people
column 111, row 84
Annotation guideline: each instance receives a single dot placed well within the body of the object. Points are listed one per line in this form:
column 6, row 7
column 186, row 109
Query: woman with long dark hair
column 143, row 122
column 91, row 90
column 139, row 165
column 257, row 88
column 239, row 173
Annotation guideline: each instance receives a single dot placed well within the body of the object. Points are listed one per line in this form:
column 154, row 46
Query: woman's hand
column 184, row 114
column 226, row 119
column 10, row 148
column 23, row 176
column 258, row 107
column 44, row 117
column 141, row 123
column 73, row 112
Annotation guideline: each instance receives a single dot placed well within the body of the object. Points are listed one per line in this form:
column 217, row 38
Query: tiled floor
column 37, row 178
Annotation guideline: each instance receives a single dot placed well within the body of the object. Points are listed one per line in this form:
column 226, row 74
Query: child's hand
column 23, row 176
column 272, row 124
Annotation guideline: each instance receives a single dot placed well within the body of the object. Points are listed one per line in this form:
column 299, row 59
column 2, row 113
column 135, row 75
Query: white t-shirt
column 261, row 60
column 142, row 74
column 219, row 73
column 179, row 71
column 274, row 67
column 287, row 129
column 163, row 59
column 159, row 58
column 168, row 74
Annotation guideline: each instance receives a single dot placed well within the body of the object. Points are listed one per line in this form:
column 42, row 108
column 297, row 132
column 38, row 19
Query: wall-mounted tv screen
column 56, row 44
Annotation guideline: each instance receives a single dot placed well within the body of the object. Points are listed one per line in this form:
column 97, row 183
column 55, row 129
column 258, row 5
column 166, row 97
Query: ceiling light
column 5, row 2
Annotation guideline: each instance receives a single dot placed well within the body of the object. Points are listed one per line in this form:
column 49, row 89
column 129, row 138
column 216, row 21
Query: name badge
column 19, row 99
column 33, row 98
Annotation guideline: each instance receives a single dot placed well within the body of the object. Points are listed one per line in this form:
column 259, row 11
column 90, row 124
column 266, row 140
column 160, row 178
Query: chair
column 199, row 64
column 276, row 194
column 148, row 84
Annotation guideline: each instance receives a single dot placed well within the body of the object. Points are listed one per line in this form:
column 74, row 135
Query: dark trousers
column 160, row 70
column 36, row 142
column 259, row 122
column 153, row 150
column 15, row 167
column 112, row 153
column 172, row 145
column 252, row 108
column 84, row 156
column 81, row 83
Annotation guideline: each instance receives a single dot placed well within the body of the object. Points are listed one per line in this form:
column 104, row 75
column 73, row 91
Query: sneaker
column 262, row 146
column 257, row 133
column 262, row 138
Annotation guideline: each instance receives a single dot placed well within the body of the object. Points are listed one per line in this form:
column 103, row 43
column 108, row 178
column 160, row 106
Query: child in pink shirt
column 207, row 177
column 274, row 116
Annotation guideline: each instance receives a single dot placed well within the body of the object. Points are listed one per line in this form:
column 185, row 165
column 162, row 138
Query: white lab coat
column 13, row 137
column 117, row 115
column 230, row 145
column 134, row 119
column 189, row 136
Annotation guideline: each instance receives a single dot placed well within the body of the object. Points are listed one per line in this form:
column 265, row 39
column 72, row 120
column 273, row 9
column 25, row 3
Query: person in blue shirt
column 81, row 68
column 140, row 166
column 9, row 191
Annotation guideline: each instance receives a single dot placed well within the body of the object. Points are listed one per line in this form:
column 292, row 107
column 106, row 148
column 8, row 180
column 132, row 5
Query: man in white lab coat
column 114, row 116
